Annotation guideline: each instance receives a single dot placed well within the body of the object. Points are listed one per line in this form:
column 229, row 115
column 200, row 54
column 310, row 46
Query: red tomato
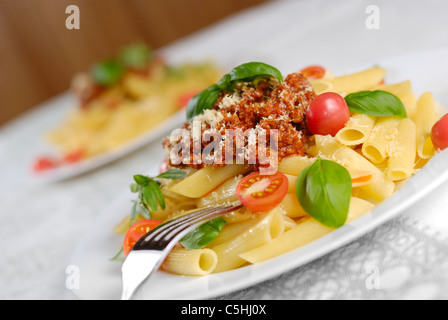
column 136, row 231
column 262, row 193
column 439, row 133
column 164, row 165
column 74, row 156
column 327, row 114
column 183, row 100
column 44, row 163
column 313, row 72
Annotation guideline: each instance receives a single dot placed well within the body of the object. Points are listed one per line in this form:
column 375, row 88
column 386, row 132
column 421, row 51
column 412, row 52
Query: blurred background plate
column 71, row 170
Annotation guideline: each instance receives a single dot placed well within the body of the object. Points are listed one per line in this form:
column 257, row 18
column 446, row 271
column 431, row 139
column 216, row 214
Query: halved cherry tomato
column 74, row 156
column 45, row 163
column 136, row 231
column 327, row 114
column 262, row 193
column 313, row 72
column 439, row 133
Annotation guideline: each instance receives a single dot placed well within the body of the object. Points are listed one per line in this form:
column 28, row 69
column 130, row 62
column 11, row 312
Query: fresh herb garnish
column 150, row 196
column 376, row 103
column 246, row 72
column 136, row 56
column 110, row 71
column 203, row 235
column 107, row 72
column 324, row 190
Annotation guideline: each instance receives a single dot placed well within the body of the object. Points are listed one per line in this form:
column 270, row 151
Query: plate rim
column 89, row 164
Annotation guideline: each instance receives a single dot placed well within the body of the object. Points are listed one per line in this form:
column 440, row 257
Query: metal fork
column 151, row 250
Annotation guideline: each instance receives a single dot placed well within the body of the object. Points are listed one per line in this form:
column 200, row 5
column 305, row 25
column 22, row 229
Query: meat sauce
column 262, row 105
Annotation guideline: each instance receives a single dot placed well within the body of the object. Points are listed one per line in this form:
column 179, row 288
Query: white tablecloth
column 40, row 224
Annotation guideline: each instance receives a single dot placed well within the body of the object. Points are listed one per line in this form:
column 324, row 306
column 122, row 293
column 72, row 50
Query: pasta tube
column 381, row 139
column 197, row 262
column 294, row 165
column 357, row 130
column 351, row 82
column 206, row 179
column 306, row 231
column 402, row 161
column 268, row 228
column 425, row 118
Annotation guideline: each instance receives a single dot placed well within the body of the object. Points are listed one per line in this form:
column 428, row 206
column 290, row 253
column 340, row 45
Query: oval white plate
column 100, row 278
column 71, row 170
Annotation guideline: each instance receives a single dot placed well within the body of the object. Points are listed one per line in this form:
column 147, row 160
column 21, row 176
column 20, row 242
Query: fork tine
column 194, row 222
column 150, row 251
column 198, row 215
column 171, row 224
column 167, row 231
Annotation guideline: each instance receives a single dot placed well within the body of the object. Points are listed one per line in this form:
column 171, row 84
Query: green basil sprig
column 150, row 196
column 202, row 101
column 324, row 190
column 246, row 72
column 136, row 56
column 107, row 72
column 203, row 235
column 376, row 103
column 110, row 71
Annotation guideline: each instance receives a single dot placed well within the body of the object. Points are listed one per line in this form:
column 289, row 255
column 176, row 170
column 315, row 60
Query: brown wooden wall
column 39, row 55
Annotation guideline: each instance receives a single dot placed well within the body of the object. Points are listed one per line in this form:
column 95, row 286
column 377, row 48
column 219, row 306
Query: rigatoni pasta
column 377, row 154
column 357, row 130
column 425, row 118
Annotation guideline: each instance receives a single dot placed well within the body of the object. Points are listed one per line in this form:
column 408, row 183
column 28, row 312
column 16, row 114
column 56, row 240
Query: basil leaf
column 173, row 174
column 149, row 196
column 159, row 195
column 324, row 190
column 246, row 72
column 142, row 209
column 251, row 70
column 134, row 211
column 141, row 180
column 136, row 56
column 203, row 235
column 376, row 103
column 202, row 101
column 107, row 73
column 135, row 188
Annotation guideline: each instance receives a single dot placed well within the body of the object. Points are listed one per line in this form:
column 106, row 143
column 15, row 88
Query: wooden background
column 39, row 55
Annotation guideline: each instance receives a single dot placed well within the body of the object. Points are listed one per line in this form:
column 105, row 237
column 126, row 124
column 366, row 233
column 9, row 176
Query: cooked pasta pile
column 379, row 153
column 130, row 108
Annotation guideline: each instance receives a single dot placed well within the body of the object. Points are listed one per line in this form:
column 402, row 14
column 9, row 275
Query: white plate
column 101, row 279
column 67, row 171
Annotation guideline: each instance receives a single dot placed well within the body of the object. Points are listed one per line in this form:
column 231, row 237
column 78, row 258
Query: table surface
column 41, row 224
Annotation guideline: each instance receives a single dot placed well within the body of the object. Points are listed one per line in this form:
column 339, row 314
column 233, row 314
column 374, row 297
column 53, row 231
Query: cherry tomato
column 313, row 72
column 327, row 114
column 183, row 100
column 164, row 165
column 136, row 231
column 74, row 156
column 439, row 133
column 262, row 192
column 45, row 163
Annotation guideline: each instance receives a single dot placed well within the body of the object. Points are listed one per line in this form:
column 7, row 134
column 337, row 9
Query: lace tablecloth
column 40, row 225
